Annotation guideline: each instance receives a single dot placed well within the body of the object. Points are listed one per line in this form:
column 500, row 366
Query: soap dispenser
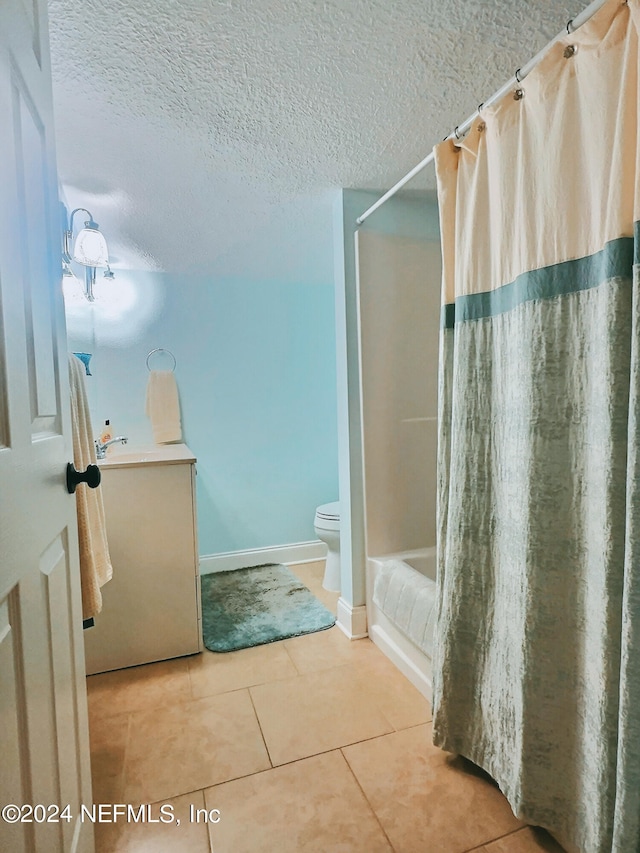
column 107, row 433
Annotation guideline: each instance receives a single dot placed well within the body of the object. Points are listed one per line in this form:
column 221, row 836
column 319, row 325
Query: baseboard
column 352, row 621
column 299, row 552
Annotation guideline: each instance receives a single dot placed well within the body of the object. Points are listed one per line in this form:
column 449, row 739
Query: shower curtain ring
column 482, row 126
column 517, row 75
column 455, row 133
column 570, row 27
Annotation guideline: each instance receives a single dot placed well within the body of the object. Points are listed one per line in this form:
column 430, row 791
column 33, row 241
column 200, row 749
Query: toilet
column 327, row 527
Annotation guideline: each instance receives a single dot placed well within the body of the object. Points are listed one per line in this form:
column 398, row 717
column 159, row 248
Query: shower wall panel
column 399, row 307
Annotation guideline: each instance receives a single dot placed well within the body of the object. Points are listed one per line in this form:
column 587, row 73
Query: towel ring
column 168, row 352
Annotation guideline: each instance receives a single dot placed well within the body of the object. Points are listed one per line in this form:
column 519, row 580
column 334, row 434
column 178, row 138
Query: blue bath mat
column 262, row 604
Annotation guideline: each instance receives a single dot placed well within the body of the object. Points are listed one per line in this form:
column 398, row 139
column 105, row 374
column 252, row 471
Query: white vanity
column 151, row 607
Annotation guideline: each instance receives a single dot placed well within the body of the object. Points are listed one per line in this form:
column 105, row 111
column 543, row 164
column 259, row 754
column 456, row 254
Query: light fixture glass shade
column 91, row 249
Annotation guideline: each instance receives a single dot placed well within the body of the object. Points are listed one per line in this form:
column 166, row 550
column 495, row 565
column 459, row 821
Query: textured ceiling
column 184, row 124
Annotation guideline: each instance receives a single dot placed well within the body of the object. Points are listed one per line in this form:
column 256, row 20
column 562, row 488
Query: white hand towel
column 163, row 407
column 95, row 562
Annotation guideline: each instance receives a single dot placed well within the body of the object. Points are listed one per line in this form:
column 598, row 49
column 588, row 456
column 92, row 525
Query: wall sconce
column 90, row 250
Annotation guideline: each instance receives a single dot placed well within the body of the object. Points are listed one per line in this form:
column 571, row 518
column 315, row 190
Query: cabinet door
column 150, row 607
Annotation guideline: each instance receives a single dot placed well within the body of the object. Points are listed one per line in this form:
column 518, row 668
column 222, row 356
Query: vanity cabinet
column 151, row 606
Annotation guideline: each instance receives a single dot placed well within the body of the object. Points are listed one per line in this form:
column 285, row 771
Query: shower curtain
column 537, row 664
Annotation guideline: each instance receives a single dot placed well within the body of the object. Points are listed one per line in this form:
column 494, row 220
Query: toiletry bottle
column 106, row 434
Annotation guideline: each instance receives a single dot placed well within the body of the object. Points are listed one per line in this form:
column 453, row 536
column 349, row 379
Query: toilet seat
column 330, row 511
column 328, row 516
column 327, row 528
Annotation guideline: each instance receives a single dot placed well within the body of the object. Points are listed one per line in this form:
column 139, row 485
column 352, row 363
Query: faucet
column 101, row 449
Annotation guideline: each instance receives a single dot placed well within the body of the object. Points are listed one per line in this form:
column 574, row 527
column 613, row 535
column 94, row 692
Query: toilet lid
column 329, row 511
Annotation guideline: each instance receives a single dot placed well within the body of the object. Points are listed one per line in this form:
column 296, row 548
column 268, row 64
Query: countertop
column 125, row 456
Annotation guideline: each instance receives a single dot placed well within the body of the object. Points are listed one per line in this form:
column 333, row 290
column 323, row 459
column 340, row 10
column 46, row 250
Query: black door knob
column 91, row 477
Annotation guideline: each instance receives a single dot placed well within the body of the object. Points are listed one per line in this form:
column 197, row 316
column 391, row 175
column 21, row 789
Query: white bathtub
column 414, row 663
column 423, row 561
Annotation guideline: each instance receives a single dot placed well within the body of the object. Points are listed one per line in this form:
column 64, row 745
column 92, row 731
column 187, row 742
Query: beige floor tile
column 327, row 649
column 108, row 740
column 139, row 687
column 212, row 673
column 425, row 799
column 190, row 745
column 527, row 840
column 310, row 805
column 400, row 702
column 312, row 575
column 182, row 835
column 393, row 694
column 315, row 713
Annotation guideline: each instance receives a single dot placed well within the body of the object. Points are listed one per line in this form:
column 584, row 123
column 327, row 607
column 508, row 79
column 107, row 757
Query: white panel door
column 44, row 757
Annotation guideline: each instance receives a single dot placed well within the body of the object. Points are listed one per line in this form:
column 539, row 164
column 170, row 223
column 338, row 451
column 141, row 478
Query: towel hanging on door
column 95, row 562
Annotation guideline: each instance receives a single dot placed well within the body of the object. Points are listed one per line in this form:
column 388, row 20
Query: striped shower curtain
column 537, row 664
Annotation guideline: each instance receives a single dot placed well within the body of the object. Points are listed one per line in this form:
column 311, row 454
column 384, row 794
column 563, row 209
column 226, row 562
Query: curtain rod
column 517, row 78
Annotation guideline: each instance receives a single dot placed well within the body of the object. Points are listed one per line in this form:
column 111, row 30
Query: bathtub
column 405, row 636
column 423, row 561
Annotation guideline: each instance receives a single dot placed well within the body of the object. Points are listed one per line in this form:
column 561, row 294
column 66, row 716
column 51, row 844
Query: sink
column 156, row 454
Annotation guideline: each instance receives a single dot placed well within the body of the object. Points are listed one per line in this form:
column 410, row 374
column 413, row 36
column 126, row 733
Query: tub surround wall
column 399, row 284
column 398, row 288
column 412, row 217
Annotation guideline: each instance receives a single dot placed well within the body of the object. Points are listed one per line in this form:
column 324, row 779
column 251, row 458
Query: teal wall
column 256, row 371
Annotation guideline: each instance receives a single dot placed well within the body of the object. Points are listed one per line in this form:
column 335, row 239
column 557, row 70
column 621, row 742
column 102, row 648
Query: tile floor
column 310, row 744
